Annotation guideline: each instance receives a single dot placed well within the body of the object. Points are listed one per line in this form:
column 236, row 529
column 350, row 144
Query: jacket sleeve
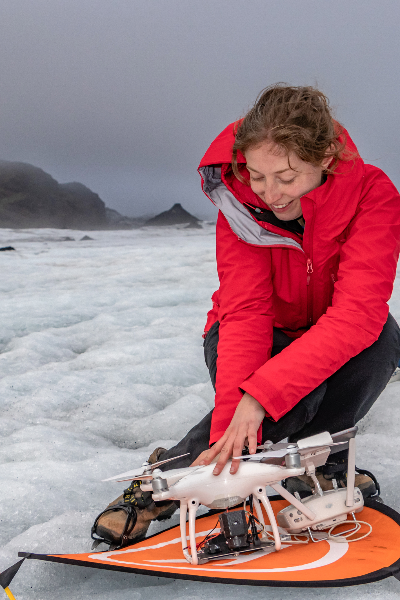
column 246, row 320
column 366, row 273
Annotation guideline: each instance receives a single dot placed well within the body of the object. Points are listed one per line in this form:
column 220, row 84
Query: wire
column 297, row 541
column 271, row 535
column 294, row 537
column 252, row 517
column 337, row 537
column 208, row 536
column 345, row 538
column 334, row 538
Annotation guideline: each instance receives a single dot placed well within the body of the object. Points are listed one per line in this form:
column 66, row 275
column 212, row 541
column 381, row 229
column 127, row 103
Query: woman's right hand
column 242, row 429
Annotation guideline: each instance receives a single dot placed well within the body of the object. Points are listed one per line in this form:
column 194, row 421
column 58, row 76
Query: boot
column 364, row 480
column 126, row 520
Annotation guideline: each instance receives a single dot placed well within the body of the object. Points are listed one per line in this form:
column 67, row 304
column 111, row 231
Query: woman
column 299, row 339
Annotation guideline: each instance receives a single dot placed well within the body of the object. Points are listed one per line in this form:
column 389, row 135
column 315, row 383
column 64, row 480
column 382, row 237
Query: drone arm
column 288, row 496
column 351, row 473
column 259, row 493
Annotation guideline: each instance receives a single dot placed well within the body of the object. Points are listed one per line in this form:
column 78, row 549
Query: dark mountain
column 176, row 215
column 29, row 197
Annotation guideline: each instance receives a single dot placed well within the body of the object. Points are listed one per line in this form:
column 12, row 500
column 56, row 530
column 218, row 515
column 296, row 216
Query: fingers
column 203, row 459
column 247, row 432
column 252, row 440
column 233, row 444
column 237, row 450
column 207, row 456
column 243, row 427
column 225, row 454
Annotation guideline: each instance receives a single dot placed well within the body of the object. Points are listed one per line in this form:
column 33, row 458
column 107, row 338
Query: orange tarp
column 323, row 561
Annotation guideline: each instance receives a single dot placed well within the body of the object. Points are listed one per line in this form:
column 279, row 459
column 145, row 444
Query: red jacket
column 329, row 289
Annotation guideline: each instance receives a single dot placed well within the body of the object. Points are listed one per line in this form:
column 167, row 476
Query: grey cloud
column 126, row 96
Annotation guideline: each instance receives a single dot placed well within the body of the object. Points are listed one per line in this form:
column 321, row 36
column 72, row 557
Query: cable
column 271, row 535
column 345, row 538
column 334, row 538
column 341, row 538
column 294, row 537
column 208, row 537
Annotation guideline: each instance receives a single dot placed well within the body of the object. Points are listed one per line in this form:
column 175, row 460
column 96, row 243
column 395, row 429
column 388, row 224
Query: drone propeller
column 320, row 439
column 171, row 476
column 280, row 450
column 346, row 435
column 146, row 471
column 268, row 445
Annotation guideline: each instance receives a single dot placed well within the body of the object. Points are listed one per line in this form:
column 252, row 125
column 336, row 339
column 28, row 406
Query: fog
column 126, row 96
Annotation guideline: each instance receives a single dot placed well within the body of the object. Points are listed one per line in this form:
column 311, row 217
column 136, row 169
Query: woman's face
column 279, row 185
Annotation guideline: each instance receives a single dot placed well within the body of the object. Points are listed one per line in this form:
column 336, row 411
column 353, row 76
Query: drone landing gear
column 259, row 495
column 234, row 537
column 192, row 507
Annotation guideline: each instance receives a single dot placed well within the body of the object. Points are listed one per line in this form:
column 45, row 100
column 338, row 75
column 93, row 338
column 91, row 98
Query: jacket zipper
column 309, row 260
column 309, row 296
column 310, row 271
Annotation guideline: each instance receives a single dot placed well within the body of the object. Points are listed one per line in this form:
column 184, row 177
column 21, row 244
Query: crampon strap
column 131, row 518
column 374, row 479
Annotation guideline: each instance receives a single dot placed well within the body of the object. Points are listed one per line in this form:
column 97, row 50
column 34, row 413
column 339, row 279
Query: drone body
column 225, row 490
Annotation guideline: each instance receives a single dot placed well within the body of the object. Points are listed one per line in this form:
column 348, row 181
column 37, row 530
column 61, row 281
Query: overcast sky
column 126, row 95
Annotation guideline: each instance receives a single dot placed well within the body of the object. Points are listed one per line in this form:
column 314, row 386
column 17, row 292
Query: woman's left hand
column 249, row 415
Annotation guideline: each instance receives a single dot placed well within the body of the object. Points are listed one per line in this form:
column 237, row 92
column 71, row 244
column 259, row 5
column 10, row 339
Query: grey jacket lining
column 238, row 217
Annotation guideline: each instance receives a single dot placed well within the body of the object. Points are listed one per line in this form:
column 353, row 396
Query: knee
column 388, row 343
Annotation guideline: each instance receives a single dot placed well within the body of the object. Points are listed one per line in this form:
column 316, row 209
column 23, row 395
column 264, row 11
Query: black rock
column 85, row 237
column 6, row 249
column 29, row 197
column 176, row 215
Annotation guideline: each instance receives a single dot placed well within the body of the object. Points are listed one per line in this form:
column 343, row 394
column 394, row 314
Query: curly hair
column 295, row 119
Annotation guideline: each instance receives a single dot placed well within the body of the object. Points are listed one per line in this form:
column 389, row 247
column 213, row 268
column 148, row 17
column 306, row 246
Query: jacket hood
column 237, row 200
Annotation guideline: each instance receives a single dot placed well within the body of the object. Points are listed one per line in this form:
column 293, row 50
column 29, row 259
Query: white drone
column 192, row 486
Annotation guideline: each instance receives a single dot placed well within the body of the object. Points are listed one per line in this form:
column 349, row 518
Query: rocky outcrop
column 29, row 197
column 176, row 215
column 117, row 221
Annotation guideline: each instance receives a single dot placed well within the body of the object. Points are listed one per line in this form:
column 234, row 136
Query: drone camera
column 235, row 528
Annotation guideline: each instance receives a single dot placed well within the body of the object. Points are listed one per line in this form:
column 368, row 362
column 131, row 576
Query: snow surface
column 101, row 361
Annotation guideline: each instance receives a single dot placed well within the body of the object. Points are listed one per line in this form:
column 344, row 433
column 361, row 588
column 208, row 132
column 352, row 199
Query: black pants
column 337, row 404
